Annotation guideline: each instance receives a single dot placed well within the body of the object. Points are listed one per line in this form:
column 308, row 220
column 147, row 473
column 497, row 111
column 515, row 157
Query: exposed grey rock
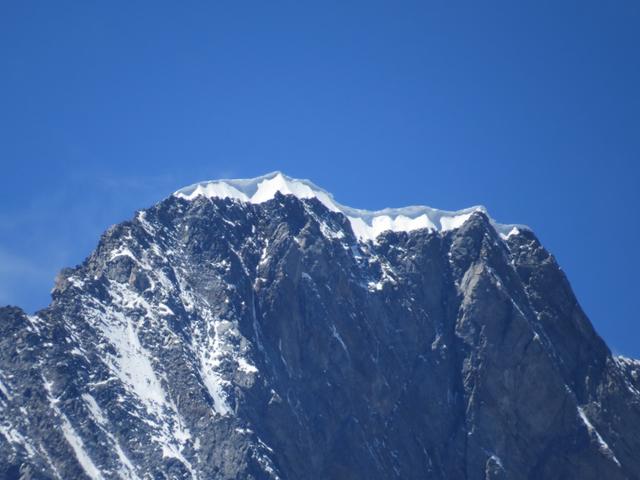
column 218, row 339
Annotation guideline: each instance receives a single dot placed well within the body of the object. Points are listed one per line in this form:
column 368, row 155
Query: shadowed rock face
column 217, row 339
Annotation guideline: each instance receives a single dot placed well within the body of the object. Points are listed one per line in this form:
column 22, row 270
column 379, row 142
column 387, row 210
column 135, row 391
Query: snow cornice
column 366, row 224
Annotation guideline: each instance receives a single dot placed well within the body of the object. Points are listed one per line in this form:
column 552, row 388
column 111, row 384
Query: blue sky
column 529, row 108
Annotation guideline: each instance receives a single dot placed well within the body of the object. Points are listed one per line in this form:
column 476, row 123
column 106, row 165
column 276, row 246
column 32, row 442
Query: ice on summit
column 366, row 225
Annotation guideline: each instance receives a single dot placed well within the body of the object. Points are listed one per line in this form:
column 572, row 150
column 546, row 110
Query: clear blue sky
column 530, row 108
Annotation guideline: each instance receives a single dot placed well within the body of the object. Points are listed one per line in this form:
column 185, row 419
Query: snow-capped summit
column 208, row 338
column 366, row 224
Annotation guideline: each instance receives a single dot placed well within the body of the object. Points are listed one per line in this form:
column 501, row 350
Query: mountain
column 257, row 329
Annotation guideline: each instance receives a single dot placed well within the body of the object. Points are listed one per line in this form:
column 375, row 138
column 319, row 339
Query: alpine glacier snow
column 366, row 225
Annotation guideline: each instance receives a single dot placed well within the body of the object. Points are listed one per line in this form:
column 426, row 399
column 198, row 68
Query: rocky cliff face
column 218, row 338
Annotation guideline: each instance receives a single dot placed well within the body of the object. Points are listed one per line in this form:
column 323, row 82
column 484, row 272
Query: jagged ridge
column 366, row 224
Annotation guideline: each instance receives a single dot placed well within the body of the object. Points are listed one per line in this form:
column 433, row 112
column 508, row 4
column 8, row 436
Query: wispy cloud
column 18, row 277
column 11, row 264
column 59, row 225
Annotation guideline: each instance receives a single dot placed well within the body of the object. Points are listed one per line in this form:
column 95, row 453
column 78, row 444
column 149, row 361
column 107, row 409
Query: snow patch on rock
column 604, row 447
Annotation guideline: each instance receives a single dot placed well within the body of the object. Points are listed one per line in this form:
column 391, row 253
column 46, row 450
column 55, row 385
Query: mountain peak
column 366, row 224
column 229, row 339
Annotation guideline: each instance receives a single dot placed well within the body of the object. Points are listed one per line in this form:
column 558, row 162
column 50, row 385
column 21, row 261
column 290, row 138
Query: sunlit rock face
column 216, row 336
